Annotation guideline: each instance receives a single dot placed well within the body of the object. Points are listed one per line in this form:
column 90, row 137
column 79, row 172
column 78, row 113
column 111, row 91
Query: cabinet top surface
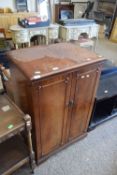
column 41, row 61
column 11, row 118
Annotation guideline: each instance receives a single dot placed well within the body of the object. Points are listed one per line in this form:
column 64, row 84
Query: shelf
column 13, row 154
column 100, row 121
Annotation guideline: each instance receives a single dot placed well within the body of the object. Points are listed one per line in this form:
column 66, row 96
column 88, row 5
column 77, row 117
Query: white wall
column 8, row 3
column 31, row 5
column 79, row 8
column 11, row 4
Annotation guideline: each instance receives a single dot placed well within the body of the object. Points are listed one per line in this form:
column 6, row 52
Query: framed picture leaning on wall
column 21, row 5
column 44, row 10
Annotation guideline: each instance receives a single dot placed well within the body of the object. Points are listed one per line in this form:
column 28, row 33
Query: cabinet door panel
column 84, row 93
column 53, row 97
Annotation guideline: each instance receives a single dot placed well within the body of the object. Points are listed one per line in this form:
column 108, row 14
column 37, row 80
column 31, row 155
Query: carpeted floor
column 94, row 155
column 107, row 49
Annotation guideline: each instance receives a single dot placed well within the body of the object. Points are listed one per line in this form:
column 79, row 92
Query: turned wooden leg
column 31, row 152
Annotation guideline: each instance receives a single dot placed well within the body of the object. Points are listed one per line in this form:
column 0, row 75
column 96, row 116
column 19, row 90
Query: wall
column 31, row 5
column 11, row 4
column 79, row 8
column 8, row 3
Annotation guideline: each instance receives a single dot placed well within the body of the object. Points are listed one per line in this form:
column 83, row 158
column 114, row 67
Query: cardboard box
column 113, row 36
column 101, row 34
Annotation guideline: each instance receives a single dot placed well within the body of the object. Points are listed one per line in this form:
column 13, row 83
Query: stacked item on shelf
column 33, row 21
column 113, row 36
column 76, row 22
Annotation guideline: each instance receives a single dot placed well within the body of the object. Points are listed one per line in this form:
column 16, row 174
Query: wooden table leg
column 31, row 152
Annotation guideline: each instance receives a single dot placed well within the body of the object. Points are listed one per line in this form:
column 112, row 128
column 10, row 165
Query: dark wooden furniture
column 4, row 47
column 105, row 106
column 13, row 150
column 56, row 85
column 1, row 84
column 60, row 7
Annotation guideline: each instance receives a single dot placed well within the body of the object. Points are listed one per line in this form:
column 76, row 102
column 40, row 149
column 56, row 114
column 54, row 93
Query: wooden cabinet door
column 53, row 99
column 83, row 101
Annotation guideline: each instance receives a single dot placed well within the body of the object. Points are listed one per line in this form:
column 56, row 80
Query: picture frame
column 21, row 5
column 44, row 9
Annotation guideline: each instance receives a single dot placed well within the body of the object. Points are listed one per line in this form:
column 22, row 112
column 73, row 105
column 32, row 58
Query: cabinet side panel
column 19, row 88
column 24, row 95
column 34, row 110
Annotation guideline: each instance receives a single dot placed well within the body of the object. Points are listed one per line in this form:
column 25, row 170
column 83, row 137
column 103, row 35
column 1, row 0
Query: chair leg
column 29, row 44
column 94, row 45
column 16, row 46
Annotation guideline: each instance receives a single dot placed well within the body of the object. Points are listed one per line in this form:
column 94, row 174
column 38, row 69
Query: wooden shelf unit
column 9, row 148
column 14, row 152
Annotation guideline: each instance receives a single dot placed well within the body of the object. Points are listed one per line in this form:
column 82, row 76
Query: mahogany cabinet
column 56, row 85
